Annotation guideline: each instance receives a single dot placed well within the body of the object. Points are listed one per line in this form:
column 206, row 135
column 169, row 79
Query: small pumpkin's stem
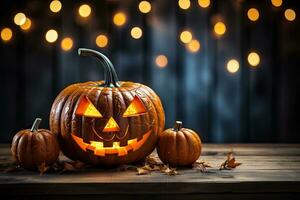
column 36, row 124
column 177, row 125
column 111, row 78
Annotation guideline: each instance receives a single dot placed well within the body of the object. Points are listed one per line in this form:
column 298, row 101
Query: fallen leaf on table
column 153, row 160
column 142, row 171
column 230, row 162
column 170, row 171
column 43, row 168
column 201, row 166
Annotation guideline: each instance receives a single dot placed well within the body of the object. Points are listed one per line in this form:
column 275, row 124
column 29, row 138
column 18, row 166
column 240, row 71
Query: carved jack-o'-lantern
column 107, row 122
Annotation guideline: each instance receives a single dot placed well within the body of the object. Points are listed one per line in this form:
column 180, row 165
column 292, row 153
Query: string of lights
column 191, row 43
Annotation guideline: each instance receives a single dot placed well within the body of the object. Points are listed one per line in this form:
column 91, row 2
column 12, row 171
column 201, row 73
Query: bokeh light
column 51, row 36
column 276, row 3
column 233, row 66
column 6, row 34
column 253, row 59
column 27, row 25
column 220, row 28
column 253, row 14
column 184, row 4
column 20, row 19
column 84, row 10
column 101, row 40
column 290, row 14
column 136, row 32
column 66, row 44
column 204, row 3
column 193, row 46
column 55, row 6
column 119, row 19
column 186, row 36
column 161, row 61
column 145, row 6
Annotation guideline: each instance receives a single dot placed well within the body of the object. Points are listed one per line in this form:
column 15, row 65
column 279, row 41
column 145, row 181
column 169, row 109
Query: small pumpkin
column 179, row 146
column 108, row 122
column 32, row 147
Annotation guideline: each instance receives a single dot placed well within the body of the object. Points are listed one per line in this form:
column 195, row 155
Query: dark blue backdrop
column 253, row 105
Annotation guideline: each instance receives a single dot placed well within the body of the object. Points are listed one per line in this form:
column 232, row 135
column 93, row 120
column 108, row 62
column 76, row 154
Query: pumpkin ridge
column 186, row 141
column 44, row 139
column 55, row 127
column 197, row 138
column 15, row 145
column 156, row 115
column 138, row 119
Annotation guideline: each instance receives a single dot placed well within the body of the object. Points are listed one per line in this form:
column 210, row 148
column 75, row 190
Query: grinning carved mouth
column 99, row 149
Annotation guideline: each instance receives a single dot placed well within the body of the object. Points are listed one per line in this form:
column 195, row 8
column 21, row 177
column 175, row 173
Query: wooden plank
column 259, row 176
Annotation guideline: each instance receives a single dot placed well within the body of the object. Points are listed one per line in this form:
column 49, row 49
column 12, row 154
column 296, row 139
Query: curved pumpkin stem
column 36, row 124
column 177, row 125
column 111, row 78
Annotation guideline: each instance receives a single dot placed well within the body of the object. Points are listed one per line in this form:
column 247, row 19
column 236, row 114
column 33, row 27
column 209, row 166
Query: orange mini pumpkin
column 107, row 122
column 32, row 147
column 179, row 146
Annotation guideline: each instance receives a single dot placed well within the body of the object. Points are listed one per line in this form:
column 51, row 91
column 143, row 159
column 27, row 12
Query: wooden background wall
column 252, row 105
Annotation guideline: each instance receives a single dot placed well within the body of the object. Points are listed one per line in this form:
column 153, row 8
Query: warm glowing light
column 145, row 6
column 51, row 36
column 6, row 34
column 111, row 126
column 66, row 44
column 253, row 14
column 119, row 19
column 84, row 10
column 101, row 41
column 87, row 109
column 276, row 3
column 186, row 36
column 161, row 61
column 220, row 28
column 233, row 66
column 100, row 150
column 20, row 19
column 135, row 108
column 55, row 6
column 136, row 32
column 184, row 4
column 204, row 3
column 253, row 59
column 290, row 14
column 193, row 46
column 26, row 26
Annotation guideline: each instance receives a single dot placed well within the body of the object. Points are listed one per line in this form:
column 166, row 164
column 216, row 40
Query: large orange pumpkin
column 107, row 122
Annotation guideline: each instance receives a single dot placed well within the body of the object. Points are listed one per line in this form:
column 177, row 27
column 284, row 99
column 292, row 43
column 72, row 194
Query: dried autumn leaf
column 201, row 166
column 170, row 171
column 142, row 171
column 43, row 168
column 152, row 160
column 230, row 162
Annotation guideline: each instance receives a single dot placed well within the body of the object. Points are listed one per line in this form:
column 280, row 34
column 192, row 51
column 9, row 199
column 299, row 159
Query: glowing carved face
column 112, row 132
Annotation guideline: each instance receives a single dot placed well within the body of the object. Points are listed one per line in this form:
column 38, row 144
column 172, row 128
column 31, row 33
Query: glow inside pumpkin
column 86, row 108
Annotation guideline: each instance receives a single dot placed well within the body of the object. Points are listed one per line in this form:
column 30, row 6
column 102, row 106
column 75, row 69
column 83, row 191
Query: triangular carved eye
column 135, row 108
column 87, row 109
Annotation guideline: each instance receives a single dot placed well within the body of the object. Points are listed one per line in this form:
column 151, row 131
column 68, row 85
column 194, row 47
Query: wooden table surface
column 268, row 171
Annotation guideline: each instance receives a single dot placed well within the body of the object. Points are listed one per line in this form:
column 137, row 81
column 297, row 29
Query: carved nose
column 111, row 126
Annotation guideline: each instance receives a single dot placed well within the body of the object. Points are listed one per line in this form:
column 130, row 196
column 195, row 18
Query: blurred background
column 228, row 69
